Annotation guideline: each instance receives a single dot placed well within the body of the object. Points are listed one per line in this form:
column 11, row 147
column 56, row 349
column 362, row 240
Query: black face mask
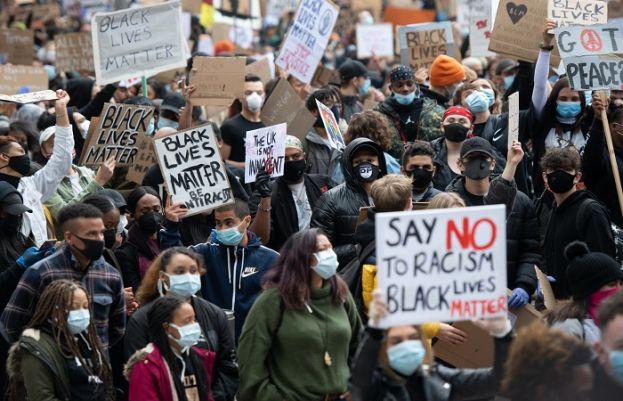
column 477, row 168
column 318, row 123
column 93, row 248
column 21, row 164
column 150, row 222
column 455, row 132
column 11, row 224
column 110, row 236
column 421, row 178
column 560, row 182
column 293, row 170
column 366, row 172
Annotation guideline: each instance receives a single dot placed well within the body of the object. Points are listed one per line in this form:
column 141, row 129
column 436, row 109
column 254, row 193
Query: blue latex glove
column 30, row 256
column 518, row 298
column 539, row 292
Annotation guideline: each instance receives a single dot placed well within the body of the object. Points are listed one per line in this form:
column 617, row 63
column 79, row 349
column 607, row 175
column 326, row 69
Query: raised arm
column 541, row 71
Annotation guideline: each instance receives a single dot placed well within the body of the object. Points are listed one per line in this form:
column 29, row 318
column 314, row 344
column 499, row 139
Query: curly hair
column 541, row 357
column 372, row 125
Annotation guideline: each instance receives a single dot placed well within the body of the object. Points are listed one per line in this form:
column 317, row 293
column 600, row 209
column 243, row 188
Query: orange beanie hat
column 223, row 46
column 445, row 71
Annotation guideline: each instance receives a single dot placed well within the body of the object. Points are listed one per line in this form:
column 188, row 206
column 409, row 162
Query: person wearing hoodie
column 41, row 186
column 354, row 83
column 418, row 165
column 576, row 215
column 337, row 210
column 522, row 231
column 234, row 257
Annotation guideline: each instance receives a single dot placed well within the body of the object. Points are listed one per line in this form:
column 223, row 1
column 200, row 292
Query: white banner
column 377, row 40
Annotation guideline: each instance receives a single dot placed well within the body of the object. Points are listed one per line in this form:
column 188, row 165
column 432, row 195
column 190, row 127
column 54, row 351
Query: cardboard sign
column 16, row 46
column 265, row 150
column 285, row 106
column 193, row 169
column 323, row 76
column 33, row 97
column 442, row 265
column 307, row 38
column 277, row 8
column 261, row 68
column 589, row 41
column 446, row 7
column 347, row 19
column 74, row 52
column 138, row 41
column 546, row 288
column 22, row 79
column 377, row 40
column 518, row 30
column 479, row 36
column 420, row 44
column 239, row 8
column 192, row 6
column 513, row 118
column 218, row 80
column 145, row 158
column 577, row 12
column 374, row 6
column 331, row 126
column 116, row 134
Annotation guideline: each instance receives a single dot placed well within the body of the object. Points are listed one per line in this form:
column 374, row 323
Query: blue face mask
column 616, row 361
column 230, row 236
column 406, row 357
column 184, row 285
column 336, row 113
column 490, row 96
column 363, row 89
column 165, row 122
column 404, row 100
column 477, row 102
column 568, row 109
column 78, row 320
column 150, row 128
column 190, row 335
column 327, row 264
column 508, row 81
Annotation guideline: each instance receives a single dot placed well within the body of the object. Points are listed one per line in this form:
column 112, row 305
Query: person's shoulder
column 269, row 299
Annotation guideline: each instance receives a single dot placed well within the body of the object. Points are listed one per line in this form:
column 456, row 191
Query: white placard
column 589, row 40
column 138, row 41
column 307, row 38
column 595, row 72
column 265, row 150
column 193, row 169
column 479, row 33
column 442, row 265
column 32, row 97
column 577, row 12
column 513, row 118
column 377, row 40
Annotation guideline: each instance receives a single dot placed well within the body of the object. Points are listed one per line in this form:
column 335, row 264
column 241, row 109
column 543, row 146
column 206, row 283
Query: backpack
column 617, row 232
column 351, row 274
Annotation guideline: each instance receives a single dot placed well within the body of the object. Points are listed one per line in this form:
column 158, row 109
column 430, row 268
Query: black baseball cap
column 505, row 66
column 352, row 69
column 116, row 198
column 476, row 145
column 173, row 102
column 11, row 201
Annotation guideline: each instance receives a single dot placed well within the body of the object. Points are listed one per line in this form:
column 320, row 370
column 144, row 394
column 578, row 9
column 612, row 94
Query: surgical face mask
column 363, row 89
column 93, row 248
column 230, row 236
column 568, row 109
column 616, row 361
column 477, row 168
column 150, row 222
column 51, row 71
column 78, row 320
column 421, row 177
column 616, row 103
column 477, row 102
column 110, row 237
column 455, row 132
column 185, row 285
column 508, row 81
column 406, row 357
column 150, row 128
column 164, row 122
column 84, row 127
column 490, row 94
column 560, row 182
column 123, row 223
column 327, row 264
column 190, row 335
column 404, row 100
column 367, row 20
column 366, row 172
column 254, row 102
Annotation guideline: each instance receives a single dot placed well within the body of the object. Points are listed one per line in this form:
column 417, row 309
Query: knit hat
column 588, row 271
column 401, row 73
column 223, row 47
column 445, row 71
column 458, row 111
column 293, row 142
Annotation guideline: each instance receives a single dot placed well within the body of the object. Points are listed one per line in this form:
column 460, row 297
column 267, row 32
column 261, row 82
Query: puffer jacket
column 400, row 135
column 523, row 250
column 337, row 210
column 369, row 382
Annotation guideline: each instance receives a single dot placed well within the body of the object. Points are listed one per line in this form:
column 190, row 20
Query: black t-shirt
column 191, row 382
column 84, row 381
column 234, row 131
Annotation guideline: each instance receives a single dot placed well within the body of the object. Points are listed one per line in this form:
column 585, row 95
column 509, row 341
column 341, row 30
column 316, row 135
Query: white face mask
column 84, row 128
column 254, row 102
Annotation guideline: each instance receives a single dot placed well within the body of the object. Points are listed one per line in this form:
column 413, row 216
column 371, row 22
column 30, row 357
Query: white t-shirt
column 75, row 183
column 577, row 140
column 303, row 208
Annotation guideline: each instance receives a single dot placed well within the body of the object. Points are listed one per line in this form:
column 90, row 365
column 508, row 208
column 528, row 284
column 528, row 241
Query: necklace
column 328, row 361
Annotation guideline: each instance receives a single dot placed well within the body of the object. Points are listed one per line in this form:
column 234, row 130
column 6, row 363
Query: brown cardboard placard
column 285, row 106
column 346, row 21
column 546, row 287
column 261, row 68
column 615, row 9
column 220, row 31
column 374, row 6
column 144, row 160
column 323, row 76
column 218, row 80
column 74, row 52
column 422, row 47
column 518, row 30
column 21, row 78
column 192, row 6
column 16, row 46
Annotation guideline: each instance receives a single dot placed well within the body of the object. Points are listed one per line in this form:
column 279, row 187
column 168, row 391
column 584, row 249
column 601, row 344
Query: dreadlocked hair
column 51, row 312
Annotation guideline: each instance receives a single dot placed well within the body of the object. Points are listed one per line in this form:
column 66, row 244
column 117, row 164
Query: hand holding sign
column 598, row 104
column 176, row 211
column 377, row 308
column 548, row 32
column 62, row 99
column 105, row 171
column 451, row 334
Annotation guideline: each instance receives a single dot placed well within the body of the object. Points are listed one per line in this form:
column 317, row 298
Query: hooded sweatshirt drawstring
column 233, row 282
column 241, row 267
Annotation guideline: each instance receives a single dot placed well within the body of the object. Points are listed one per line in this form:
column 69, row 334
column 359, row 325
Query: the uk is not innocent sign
column 442, row 265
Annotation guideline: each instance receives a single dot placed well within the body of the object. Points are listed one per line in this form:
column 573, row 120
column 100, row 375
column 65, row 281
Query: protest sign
column 145, row 158
column 374, row 6
column 218, row 80
column 261, row 68
column 116, row 134
column 307, row 38
column 615, row 9
column 346, row 21
column 331, row 126
column 513, row 119
column 589, row 40
column 377, row 40
column 323, row 76
column 192, row 6
column 240, row 8
column 265, row 150
column 277, row 8
column 518, row 30
column 546, row 288
column 248, row 13
column 285, row 106
column 16, row 46
column 442, row 265
column 22, row 79
column 193, row 169
column 32, row 97
column 479, row 36
column 577, row 12
column 595, row 72
column 74, row 52
column 420, row 44
column 446, row 8
column 138, row 41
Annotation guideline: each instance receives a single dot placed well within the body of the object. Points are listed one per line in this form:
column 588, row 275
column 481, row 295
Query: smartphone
column 48, row 244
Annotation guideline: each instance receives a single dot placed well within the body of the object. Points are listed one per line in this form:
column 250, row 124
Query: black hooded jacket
column 337, row 210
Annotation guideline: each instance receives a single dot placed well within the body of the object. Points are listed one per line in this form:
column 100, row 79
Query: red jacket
column 150, row 377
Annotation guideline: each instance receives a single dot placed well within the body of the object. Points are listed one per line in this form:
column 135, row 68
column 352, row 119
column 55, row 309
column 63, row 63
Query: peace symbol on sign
column 591, row 40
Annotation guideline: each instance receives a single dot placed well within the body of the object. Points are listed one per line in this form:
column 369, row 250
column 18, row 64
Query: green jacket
column 281, row 353
column 37, row 367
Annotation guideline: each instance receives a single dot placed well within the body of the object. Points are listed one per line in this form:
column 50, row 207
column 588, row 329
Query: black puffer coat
column 337, row 210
